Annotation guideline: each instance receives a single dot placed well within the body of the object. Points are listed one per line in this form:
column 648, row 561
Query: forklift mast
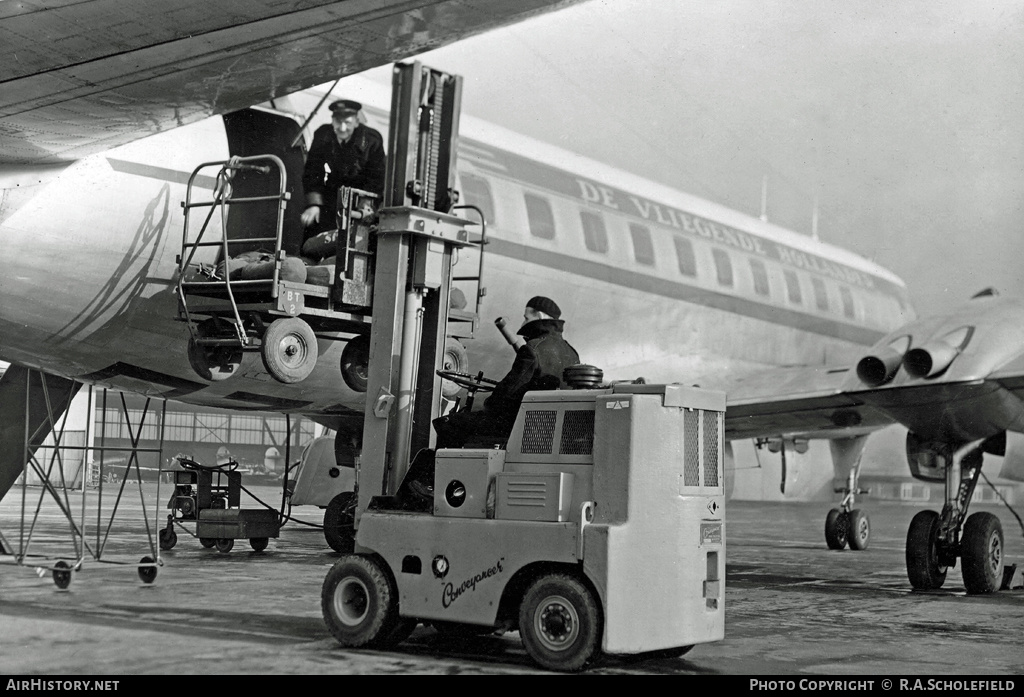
column 415, row 241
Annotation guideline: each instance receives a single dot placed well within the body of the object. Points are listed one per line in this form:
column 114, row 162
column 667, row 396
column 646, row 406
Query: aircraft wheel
column 147, row 573
column 981, row 551
column 923, row 556
column 259, row 543
column 214, row 363
column 560, row 622
column 224, row 544
column 859, row 529
column 61, row 574
column 358, row 602
column 339, row 522
column 289, row 350
column 168, row 538
column 837, row 527
column 207, row 542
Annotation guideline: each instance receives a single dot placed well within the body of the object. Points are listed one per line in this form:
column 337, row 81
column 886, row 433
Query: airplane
column 654, row 283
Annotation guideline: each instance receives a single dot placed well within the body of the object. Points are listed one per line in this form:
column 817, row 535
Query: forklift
column 597, row 527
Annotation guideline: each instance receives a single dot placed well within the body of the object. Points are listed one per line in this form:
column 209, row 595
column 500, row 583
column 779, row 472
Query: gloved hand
column 310, row 216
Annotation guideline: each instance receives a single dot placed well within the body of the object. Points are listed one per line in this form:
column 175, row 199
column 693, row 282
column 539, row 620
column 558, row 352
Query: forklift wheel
column 259, row 543
column 359, row 603
column 207, row 542
column 224, row 545
column 168, row 538
column 147, row 573
column 289, row 350
column 560, row 622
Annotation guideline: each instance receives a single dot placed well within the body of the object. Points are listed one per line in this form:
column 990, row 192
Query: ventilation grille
column 539, row 433
column 691, row 449
column 578, row 432
column 712, row 427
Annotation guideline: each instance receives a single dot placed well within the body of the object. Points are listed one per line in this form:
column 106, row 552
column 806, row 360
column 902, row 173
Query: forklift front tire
column 358, row 602
column 560, row 622
column 289, row 350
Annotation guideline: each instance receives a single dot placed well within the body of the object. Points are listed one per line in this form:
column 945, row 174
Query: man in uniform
column 345, row 152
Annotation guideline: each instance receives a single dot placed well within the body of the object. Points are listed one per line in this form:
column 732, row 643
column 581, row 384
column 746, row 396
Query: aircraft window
column 477, row 192
column 760, row 274
column 643, row 248
column 684, row 254
column 540, row 217
column 847, row 298
column 820, row 294
column 723, row 267
column 594, row 234
column 792, row 287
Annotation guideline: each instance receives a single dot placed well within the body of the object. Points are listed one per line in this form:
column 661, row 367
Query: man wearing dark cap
column 538, row 365
column 345, row 152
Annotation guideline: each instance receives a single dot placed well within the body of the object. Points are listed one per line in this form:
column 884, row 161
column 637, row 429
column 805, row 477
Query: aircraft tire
column 359, row 603
column 339, row 523
column 924, row 568
column 837, row 528
column 859, row 529
column 560, row 622
column 981, row 552
column 289, row 350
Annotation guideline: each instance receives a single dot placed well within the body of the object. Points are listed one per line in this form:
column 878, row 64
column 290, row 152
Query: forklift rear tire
column 560, row 622
column 359, row 603
column 259, row 543
column 339, row 523
column 289, row 350
column 224, row 544
column 214, row 363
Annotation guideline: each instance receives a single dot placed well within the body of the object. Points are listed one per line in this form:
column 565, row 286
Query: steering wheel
column 473, row 383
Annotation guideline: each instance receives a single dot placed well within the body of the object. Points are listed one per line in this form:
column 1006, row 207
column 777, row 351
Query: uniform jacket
column 538, row 365
column 358, row 162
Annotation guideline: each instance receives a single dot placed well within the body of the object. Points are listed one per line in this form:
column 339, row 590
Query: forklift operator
column 538, row 365
column 345, row 152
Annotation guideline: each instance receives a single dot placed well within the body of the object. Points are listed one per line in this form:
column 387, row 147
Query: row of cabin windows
column 541, row 220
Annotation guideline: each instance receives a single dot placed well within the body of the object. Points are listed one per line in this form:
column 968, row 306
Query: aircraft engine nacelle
column 929, row 360
column 880, row 368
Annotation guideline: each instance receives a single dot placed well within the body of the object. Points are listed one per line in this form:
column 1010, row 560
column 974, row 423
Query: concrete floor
column 793, row 607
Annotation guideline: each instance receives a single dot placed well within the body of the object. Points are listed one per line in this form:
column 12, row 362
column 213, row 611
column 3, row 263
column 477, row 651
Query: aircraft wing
column 806, row 402
column 953, row 378
column 80, row 77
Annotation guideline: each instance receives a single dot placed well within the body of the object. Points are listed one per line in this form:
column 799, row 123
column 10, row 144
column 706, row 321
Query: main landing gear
column 846, row 524
column 934, row 540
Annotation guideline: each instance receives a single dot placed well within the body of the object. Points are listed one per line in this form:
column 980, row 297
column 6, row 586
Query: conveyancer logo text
column 452, row 592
